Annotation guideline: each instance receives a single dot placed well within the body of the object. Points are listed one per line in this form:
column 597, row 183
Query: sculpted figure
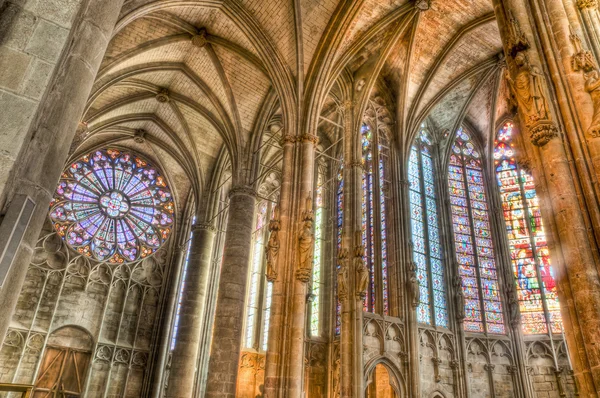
column 306, row 246
column 272, row 247
column 528, row 89
column 342, row 274
column 592, row 86
column 362, row 273
column 413, row 285
column 460, row 298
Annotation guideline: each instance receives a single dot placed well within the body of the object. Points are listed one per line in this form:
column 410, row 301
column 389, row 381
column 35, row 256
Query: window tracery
column 432, row 309
column 112, row 206
column 537, row 292
column 473, row 238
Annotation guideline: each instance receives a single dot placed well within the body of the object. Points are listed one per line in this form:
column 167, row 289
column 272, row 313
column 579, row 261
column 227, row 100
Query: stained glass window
column 317, row 280
column 472, row 238
column 534, row 277
column 182, row 288
column 374, row 229
column 339, row 206
column 432, row 309
column 112, row 206
column 260, row 291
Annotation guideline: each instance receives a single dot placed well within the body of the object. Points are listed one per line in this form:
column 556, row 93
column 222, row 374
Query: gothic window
column 112, row 206
column 472, row 238
column 535, row 283
column 339, row 206
column 374, row 229
column 182, row 287
column 258, row 309
column 317, row 279
column 427, row 255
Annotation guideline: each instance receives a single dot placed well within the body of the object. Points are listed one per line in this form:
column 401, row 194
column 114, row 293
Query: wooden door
column 62, row 373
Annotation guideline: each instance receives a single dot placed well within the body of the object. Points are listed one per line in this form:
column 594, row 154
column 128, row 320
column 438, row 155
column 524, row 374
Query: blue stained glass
column 425, row 235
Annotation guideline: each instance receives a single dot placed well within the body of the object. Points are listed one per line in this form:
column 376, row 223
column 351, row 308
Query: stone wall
column 117, row 305
column 33, row 34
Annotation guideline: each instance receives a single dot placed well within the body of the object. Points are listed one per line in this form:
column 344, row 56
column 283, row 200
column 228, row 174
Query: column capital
column 204, row 227
column 583, row 4
column 288, row 139
column 242, row 190
column 542, row 132
column 309, row 138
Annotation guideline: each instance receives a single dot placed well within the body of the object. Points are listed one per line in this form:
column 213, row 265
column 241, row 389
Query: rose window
column 112, row 206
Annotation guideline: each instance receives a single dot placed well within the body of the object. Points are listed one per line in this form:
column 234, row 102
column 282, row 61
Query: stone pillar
column 43, row 155
column 570, row 244
column 227, row 331
column 304, row 266
column 191, row 318
column 273, row 366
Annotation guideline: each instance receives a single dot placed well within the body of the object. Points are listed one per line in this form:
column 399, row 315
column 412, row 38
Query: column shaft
column 278, row 302
column 298, row 319
column 227, row 333
column 44, row 154
column 191, row 318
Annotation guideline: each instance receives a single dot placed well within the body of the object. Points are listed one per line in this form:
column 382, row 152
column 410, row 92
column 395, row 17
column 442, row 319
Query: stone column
column 227, row 331
column 273, row 366
column 191, row 316
column 570, row 244
column 43, row 155
column 304, row 265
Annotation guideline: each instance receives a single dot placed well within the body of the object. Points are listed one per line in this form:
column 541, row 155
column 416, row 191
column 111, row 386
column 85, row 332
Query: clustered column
column 577, row 274
column 185, row 354
column 227, row 332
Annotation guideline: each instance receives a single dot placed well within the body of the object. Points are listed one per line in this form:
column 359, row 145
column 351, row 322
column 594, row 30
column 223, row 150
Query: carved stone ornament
column 309, row 138
column 140, row 136
column 517, row 41
column 272, row 247
column 242, row 190
column 287, row 139
column 422, row 5
column 163, row 95
column 200, row 40
column 542, row 132
column 413, row 285
column 460, row 298
column 342, row 274
column 582, row 59
column 362, row 272
column 592, row 86
column 514, row 316
column 204, row 227
column 306, row 244
column 583, row 4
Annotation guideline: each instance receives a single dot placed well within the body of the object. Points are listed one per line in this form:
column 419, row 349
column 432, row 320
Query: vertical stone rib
column 227, row 332
column 193, row 300
column 277, row 318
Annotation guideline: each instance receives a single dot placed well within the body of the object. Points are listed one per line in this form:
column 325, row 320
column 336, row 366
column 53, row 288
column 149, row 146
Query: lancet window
column 260, row 291
column 473, row 238
column 535, row 283
column 317, row 276
column 374, row 222
column 427, row 256
column 339, row 216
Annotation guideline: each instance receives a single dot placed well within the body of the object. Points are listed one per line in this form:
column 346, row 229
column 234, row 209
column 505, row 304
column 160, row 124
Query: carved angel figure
column 528, row 89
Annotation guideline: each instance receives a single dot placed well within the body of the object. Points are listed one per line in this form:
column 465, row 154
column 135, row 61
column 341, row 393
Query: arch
column 395, row 376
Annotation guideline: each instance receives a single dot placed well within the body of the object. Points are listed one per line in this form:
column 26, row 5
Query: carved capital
column 358, row 164
column 542, row 131
column 489, row 367
column 303, row 274
column 288, row 139
column 200, row 40
column 309, row 138
column 583, row 4
column 204, row 227
column 242, row 190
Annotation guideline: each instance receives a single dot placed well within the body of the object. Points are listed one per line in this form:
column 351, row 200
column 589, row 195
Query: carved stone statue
column 306, row 245
column 513, row 306
column 342, row 274
column 362, row 272
column 592, row 86
column 460, row 298
column 272, row 247
column 528, row 89
column 413, row 285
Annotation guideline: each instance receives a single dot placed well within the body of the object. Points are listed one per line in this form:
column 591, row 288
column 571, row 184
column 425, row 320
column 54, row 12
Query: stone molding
column 542, row 132
column 242, row 190
column 204, row 227
column 309, row 138
column 583, row 4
